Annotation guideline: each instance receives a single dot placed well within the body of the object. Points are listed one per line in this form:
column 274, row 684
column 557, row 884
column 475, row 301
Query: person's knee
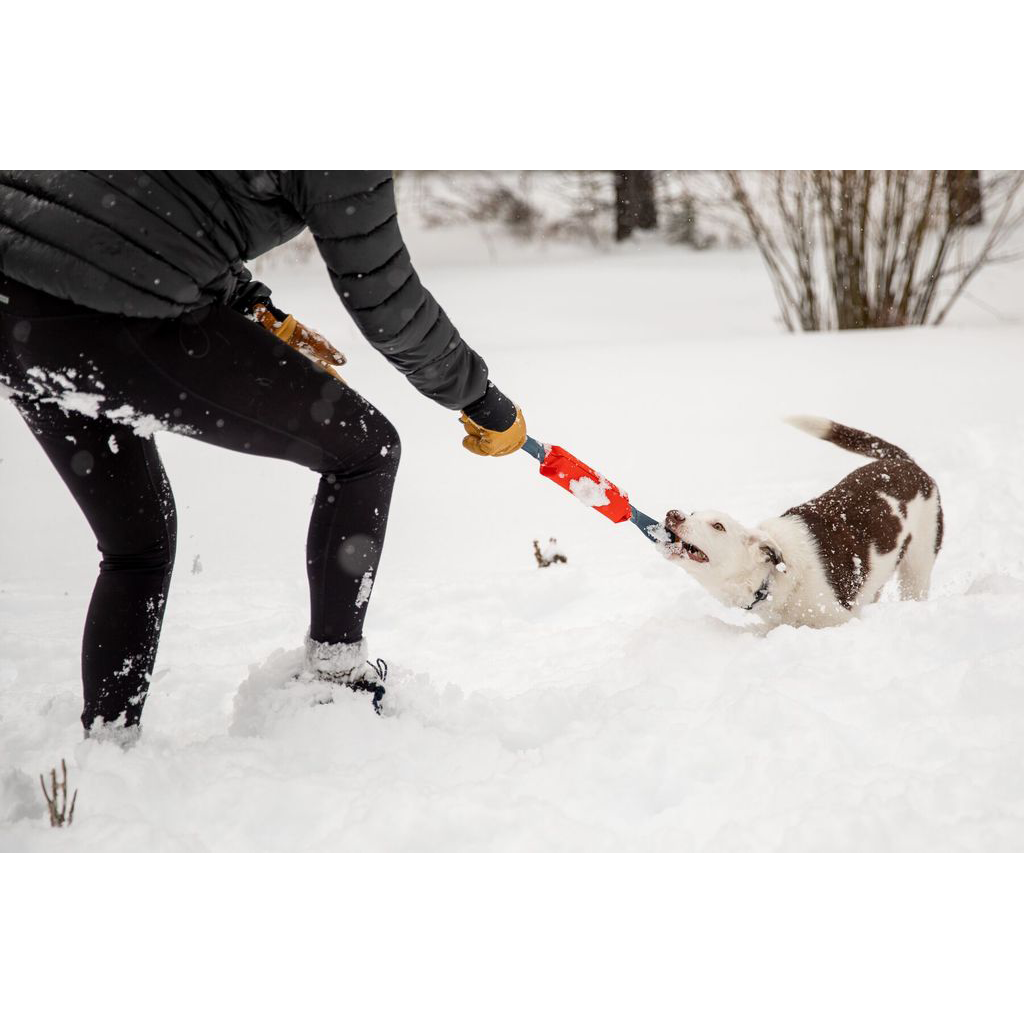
column 151, row 549
column 388, row 446
column 391, row 445
column 170, row 533
column 379, row 451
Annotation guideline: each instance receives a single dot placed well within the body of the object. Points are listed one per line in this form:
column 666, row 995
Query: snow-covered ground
column 605, row 703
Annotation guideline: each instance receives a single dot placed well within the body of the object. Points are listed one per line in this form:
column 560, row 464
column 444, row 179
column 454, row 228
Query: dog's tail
column 857, row 441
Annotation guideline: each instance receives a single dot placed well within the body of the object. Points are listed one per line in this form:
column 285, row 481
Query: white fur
column 737, row 565
column 816, row 426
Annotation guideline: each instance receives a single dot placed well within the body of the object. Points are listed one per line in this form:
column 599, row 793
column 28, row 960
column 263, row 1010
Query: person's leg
column 117, row 479
column 234, row 385
column 227, row 381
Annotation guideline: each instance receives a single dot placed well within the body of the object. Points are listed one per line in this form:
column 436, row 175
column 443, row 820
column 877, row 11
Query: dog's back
column 889, row 504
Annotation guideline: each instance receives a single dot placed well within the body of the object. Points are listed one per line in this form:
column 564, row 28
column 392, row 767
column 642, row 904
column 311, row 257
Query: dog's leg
column 915, row 571
column 923, row 542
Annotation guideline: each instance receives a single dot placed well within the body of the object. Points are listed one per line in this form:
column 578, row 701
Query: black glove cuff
column 492, row 411
column 254, row 293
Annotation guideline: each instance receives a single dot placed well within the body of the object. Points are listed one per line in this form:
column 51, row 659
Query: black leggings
column 92, row 387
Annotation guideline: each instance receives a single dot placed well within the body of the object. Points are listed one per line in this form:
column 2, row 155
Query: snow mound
column 19, row 796
column 997, row 583
column 273, row 693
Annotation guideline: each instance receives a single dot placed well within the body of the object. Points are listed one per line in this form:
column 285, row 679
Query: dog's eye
column 718, row 526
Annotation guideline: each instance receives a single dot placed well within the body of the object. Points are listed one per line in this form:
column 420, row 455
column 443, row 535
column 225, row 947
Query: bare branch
column 854, row 249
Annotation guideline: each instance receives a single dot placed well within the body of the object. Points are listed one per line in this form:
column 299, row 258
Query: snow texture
column 610, row 704
column 80, row 401
column 338, row 661
column 590, row 492
column 142, row 424
column 365, row 588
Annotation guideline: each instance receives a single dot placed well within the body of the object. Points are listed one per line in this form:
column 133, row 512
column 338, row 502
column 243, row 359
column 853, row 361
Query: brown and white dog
column 819, row 563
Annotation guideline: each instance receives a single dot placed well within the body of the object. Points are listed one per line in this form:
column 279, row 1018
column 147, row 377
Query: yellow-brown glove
column 482, row 441
column 310, row 343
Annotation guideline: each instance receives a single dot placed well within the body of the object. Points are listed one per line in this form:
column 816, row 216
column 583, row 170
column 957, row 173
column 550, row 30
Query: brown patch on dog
column 860, row 442
column 903, row 549
column 852, row 517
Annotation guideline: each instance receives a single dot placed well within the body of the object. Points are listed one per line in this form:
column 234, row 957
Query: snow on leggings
column 92, row 387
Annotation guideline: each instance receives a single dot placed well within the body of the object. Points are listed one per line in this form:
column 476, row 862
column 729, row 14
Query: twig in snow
column 57, row 799
column 548, row 557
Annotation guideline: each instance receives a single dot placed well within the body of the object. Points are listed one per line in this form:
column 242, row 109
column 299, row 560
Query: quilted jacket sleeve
column 353, row 219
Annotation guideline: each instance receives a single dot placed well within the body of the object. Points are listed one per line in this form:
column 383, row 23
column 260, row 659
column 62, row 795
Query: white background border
column 517, row 938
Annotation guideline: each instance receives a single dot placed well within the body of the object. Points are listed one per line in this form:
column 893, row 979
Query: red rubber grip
column 564, row 468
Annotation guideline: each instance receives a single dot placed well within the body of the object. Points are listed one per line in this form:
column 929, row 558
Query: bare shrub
column 478, row 197
column 965, row 199
column 497, row 204
column 528, row 205
column 586, row 205
column 684, row 209
column 596, row 207
column 57, row 798
column 854, row 249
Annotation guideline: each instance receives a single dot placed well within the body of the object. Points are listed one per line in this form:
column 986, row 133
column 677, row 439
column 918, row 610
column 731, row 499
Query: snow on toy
column 590, row 487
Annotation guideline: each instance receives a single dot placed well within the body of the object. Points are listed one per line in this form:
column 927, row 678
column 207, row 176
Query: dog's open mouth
column 691, row 551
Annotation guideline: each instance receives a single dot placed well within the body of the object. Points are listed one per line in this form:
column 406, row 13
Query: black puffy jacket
column 162, row 243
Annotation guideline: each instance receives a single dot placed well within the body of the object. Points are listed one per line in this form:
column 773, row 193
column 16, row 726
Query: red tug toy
column 589, row 486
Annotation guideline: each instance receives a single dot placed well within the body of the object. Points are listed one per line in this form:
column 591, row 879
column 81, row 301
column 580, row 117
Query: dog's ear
column 767, row 550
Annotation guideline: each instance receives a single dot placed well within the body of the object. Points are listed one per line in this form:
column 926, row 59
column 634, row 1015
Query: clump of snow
column 83, row 402
column 117, row 734
column 659, row 534
column 69, row 397
column 274, row 693
column 591, row 492
column 365, row 588
column 142, row 424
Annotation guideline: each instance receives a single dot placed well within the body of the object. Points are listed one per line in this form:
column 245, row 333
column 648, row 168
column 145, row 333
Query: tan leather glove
column 494, row 442
column 310, row 343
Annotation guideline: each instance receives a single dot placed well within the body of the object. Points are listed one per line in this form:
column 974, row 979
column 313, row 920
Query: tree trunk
column 964, row 191
column 646, row 208
column 635, row 206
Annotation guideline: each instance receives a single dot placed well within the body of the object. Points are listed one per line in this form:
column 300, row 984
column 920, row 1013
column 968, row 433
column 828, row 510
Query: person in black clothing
column 122, row 311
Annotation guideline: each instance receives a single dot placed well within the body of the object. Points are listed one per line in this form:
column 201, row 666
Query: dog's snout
column 674, row 520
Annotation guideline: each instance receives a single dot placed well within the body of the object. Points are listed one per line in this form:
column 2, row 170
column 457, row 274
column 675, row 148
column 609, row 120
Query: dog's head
column 729, row 560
